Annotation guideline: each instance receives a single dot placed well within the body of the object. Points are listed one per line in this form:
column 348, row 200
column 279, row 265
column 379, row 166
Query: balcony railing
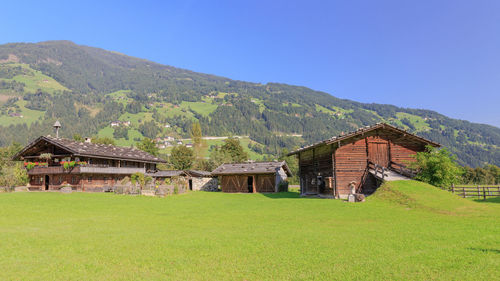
column 87, row 169
column 90, row 169
column 47, row 170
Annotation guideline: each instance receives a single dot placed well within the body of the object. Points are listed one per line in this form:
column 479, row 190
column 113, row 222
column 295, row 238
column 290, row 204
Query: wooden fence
column 479, row 191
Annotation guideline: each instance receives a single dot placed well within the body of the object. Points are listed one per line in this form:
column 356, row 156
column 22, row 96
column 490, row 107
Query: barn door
column 378, row 153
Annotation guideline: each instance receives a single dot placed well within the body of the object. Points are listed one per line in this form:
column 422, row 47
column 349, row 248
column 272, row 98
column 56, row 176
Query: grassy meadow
column 406, row 231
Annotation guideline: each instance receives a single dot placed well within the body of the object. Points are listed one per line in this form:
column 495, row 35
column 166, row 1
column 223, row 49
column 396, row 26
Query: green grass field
column 132, row 134
column 203, row 108
column 29, row 116
column 406, row 231
column 35, row 81
column 417, row 121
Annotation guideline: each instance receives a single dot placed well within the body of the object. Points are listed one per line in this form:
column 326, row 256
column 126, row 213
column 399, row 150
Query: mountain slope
column 98, row 86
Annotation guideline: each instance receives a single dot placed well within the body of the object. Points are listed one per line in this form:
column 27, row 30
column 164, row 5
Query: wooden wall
column 402, row 152
column 234, row 183
column 350, row 165
column 316, row 162
column 78, row 182
column 265, row 183
column 239, row 183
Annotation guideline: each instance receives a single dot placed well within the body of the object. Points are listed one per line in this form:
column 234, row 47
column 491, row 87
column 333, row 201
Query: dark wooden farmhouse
column 54, row 162
column 331, row 167
column 252, row 177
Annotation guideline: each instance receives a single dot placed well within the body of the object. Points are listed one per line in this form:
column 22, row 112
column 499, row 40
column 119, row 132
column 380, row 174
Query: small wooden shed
column 195, row 180
column 252, row 177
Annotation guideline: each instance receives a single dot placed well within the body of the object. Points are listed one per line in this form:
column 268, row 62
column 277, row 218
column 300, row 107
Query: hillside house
column 82, row 165
column 15, row 114
column 120, row 123
column 332, row 167
column 252, row 177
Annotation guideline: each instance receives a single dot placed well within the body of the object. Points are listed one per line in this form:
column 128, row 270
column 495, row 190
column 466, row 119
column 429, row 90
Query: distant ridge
column 87, row 88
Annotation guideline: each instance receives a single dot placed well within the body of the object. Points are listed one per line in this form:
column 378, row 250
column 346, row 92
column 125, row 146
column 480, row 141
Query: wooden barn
column 330, row 168
column 252, row 177
column 85, row 166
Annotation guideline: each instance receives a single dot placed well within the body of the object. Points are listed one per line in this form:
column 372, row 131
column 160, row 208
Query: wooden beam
column 334, row 174
column 300, row 174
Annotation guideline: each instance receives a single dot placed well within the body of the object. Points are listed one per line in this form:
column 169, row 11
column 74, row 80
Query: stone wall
column 205, row 184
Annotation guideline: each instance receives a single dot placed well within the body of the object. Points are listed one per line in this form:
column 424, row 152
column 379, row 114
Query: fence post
column 463, row 189
column 484, row 194
column 452, row 188
column 478, row 194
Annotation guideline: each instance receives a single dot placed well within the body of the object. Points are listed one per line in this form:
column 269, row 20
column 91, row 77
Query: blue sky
column 439, row 55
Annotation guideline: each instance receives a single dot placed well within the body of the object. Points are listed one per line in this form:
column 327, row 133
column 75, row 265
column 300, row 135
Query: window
column 105, row 180
column 89, row 179
column 73, row 179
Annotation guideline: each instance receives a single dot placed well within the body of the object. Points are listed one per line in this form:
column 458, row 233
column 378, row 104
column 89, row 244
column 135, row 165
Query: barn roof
column 198, row 173
column 363, row 130
column 167, row 174
column 251, row 168
column 85, row 149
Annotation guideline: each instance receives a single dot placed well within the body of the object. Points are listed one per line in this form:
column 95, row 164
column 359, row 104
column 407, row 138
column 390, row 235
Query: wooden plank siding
column 313, row 164
column 378, row 150
column 88, row 182
column 265, row 183
column 234, row 183
column 350, row 165
column 402, row 153
column 239, row 183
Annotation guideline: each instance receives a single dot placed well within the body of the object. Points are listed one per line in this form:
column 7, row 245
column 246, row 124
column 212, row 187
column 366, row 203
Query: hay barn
column 329, row 168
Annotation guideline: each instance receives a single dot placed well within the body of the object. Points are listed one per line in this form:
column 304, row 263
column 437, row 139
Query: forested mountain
column 87, row 88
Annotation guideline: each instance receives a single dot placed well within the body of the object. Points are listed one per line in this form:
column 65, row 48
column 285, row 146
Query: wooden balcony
column 89, row 169
column 39, row 170
column 110, row 170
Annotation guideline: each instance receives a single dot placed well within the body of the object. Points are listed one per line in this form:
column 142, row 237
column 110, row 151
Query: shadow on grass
column 489, row 200
column 286, row 195
column 485, row 250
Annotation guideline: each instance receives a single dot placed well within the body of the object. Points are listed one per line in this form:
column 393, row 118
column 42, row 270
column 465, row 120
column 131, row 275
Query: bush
column 283, row 186
column 437, row 167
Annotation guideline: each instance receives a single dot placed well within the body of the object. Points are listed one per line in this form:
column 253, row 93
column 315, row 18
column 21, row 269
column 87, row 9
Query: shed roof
column 177, row 173
column 167, row 174
column 198, row 173
column 251, row 168
column 85, row 149
column 363, row 130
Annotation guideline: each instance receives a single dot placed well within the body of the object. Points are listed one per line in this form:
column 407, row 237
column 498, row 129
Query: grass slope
column 29, row 115
column 217, row 236
column 34, row 80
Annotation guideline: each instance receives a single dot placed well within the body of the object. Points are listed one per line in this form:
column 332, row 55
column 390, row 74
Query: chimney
column 88, row 140
column 57, row 126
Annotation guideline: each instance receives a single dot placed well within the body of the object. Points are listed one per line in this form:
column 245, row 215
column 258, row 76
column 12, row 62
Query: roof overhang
column 78, row 154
